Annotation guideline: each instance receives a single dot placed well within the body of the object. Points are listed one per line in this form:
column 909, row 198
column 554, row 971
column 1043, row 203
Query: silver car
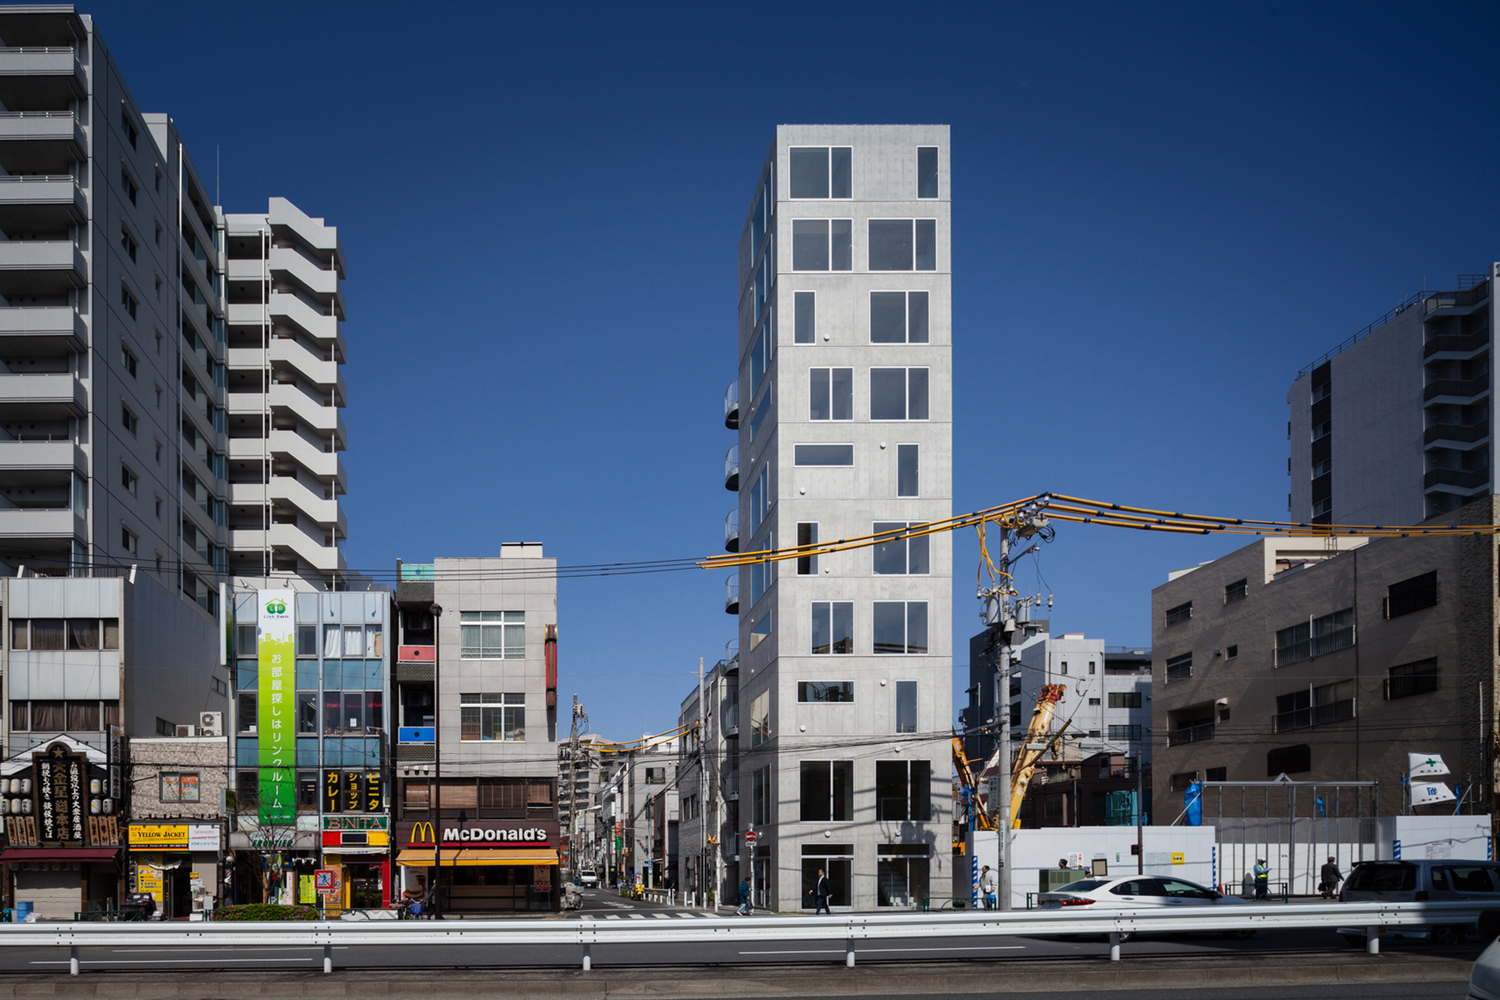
column 1418, row 881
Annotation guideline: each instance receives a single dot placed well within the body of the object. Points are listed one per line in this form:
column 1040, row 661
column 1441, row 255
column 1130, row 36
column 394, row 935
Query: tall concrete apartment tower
column 115, row 439
column 845, row 389
column 1394, row 425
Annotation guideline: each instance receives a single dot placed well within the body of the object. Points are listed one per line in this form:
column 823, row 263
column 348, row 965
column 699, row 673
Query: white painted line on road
column 862, row 951
column 612, row 916
column 798, row 951
column 172, row 961
column 662, row 916
column 148, row 951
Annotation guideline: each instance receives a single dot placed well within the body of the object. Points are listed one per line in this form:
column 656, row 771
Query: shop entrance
column 365, row 886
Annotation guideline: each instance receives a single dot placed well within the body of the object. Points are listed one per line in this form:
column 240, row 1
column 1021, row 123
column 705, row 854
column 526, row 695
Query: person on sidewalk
column 1262, row 875
column 987, row 887
column 1330, row 877
column 821, row 889
column 744, row 910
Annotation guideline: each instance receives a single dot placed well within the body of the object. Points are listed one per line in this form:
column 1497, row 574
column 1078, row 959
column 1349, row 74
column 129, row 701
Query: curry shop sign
column 499, row 833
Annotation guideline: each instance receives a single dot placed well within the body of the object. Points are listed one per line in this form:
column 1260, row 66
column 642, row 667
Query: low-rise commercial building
column 177, row 824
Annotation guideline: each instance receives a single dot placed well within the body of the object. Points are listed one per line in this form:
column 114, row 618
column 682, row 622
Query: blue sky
column 1160, row 213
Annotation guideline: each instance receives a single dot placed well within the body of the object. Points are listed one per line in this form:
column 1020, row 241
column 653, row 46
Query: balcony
column 1315, row 715
column 41, row 77
column 1457, row 433
column 417, row 654
column 41, row 267
column 41, row 142
column 58, row 455
column 1454, row 344
column 1464, row 479
column 732, row 531
column 732, row 594
column 41, row 522
column 732, row 469
column 50, row 396
column 1190, row 734
column 41, row 330
column 46, row 203
column 1459, row 388
column 732, row 406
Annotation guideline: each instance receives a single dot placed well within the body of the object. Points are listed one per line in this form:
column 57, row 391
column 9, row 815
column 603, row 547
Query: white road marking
column 862, row 951
column 662, row 916
column 147, row 951
column 173, row 961
column 612, row 916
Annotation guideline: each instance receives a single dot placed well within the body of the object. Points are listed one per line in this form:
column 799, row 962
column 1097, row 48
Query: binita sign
column 275, row 712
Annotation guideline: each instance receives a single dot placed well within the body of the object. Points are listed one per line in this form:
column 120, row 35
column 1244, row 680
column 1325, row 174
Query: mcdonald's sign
column 422, row 835
column 498, row 833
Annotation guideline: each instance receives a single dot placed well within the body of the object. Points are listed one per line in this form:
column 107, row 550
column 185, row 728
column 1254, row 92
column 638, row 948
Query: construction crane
column 978, row 808
column 1037, row 743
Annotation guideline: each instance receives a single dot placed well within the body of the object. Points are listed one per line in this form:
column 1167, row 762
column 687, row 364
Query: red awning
column 59, row 854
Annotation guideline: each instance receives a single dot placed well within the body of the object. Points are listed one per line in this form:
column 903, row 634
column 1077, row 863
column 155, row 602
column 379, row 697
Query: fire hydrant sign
column 327, row 881
column 277, row 692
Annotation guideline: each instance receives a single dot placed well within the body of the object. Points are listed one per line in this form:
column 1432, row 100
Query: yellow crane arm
column 967, row 780
column 1027, row 758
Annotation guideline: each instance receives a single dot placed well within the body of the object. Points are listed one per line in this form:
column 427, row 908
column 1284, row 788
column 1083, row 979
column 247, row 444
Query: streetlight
column 437, row 766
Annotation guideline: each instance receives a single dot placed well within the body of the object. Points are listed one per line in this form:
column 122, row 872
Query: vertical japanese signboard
column 275, row 713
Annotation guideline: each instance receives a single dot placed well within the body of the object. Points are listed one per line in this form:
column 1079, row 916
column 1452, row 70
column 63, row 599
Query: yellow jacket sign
column 158, row 837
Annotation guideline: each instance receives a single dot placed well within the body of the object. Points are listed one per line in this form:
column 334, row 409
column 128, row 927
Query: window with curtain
column 493, row 635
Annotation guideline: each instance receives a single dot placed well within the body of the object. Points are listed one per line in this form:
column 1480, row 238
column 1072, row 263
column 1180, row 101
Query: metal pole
column 1140, row 815
column 1002, row 712
column 701, row 888
column 437, row 765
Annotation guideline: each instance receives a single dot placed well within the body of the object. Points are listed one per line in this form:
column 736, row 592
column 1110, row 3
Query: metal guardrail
column 1374, row 918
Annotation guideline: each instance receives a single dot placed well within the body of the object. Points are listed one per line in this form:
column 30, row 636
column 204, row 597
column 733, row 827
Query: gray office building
column 843, row 408
column 1394, row 424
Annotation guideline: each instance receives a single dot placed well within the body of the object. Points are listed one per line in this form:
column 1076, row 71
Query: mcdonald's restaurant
column 487, row 865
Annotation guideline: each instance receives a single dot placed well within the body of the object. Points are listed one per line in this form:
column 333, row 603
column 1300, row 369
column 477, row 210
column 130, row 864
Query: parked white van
column 1420, row 881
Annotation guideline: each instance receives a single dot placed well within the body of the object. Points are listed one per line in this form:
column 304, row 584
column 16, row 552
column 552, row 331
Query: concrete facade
column 708, row 780
column 1394, row 425
column 1106, row 703
column 1327, row 661
column 865, row 400
column 160, row 770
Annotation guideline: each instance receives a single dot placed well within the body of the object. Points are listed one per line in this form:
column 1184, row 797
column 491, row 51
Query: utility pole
column 1005, row 609
column 702, row 886
column 1140, row 811
column 573, row 824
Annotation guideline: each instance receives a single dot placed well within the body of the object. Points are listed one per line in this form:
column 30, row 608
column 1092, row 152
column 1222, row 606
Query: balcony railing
column 732, row 531
column 1316, row 715
column 1464, row 479
column 1462, row 387
column 1454, row 343
column 732, row 406
column 732, row 594
column 732, row 469
column 1190, row 734
column 1465, row 433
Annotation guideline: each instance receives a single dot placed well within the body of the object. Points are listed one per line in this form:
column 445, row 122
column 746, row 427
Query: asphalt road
column 608, row 906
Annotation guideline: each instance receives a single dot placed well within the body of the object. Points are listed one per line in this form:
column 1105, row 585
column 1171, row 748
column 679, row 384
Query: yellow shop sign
column 158, row 836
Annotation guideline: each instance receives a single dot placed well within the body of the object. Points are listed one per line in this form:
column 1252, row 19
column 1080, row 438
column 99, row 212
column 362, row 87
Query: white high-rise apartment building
column 844, row 412
column 120, row 430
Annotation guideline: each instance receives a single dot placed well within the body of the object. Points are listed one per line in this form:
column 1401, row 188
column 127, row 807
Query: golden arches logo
column 417, row 830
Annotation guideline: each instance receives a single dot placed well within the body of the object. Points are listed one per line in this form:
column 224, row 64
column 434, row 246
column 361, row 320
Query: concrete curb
column 883, row 979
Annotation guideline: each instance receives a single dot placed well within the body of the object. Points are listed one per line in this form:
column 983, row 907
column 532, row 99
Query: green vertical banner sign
column 274, row 716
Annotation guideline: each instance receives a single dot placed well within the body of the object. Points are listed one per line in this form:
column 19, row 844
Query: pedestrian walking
column 987, row 887
column 1329, row 878
column 822, row 889
column 744, row 892
column 1262, row 873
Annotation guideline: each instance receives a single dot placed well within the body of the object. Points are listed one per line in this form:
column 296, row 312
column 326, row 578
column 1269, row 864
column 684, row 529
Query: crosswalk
column 658, row 916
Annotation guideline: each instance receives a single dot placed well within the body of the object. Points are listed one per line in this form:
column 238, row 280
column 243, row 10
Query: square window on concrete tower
column 900, row 626
column 832, row 627
column 805, row 326
column 831, row 394
column 821, row 172
column 898, row 317
column 821, row 245
column 901, row 556
column 898, row 393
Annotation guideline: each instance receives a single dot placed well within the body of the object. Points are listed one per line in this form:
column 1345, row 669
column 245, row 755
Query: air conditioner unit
column 187, row 731
column 211, row 723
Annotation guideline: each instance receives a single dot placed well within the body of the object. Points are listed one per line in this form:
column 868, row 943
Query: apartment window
column 158, row 288
column 821, row 171
column 1410, row 679
column 1315, row 705
column 1124, row 732
column 1179, row 614
column 898, row 393
column 901, row 556
column 760, row 409
column 1288, row 760
column 1180, row 667
column 127, row 184
column 1091, row 668
column 1230, row 652
column 1411, row 595
column 127, row 242
column 900, row 626
column 903, row 790
column 1315, row 638
column 807, row 534
column 927, row 171
column 486, row 717
column 903, row 244
column 158, row 343
column 825, row 692
column 492, row 635
column 1322, row 507
column 760, row 797
column 1182, row 779
column 158, row 233
column 220, row 688
column 156, row 182
column 760, row 358
column 1064, row 670
column 128, row 128
column 127, row 360
column 827, row 791
column 762, row 574
column 906, row 706
column 760, row 498
column 760, row 719
column 1235, row 591
column 179, row 787
column 1093, row 701
column 823, row 454
column 64, row 633
column 128, row 479
column 1124, row 699
column 63, row 716
column 1323, row 468
column 907, row 470
column 158, row 452
column 805, row 317
column 822, row 245
column 1216, row 774
column 830, row 394
column 129, row 541
column 158, row 397
column 832, row 627
column 1322, row 430
column 898, row 317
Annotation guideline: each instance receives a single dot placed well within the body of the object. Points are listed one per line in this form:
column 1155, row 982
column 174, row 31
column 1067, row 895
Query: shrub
column 266, row 911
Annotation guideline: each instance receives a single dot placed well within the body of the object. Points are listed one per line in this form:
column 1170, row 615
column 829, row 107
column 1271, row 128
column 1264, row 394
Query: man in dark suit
column 822, row 889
